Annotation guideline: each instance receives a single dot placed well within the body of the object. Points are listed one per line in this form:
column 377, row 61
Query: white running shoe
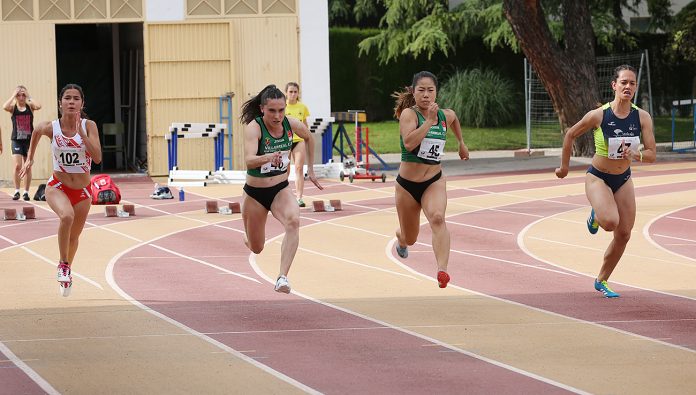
column 64, row 278
column 282, row 285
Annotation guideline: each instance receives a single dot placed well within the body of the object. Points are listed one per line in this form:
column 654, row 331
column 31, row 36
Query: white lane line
column 648, row 237
column 479, row 227
column 367, row 266
column 681, row 219
column 257, row 269
column 14, row 243
column 675, row 238
column 31, row 373
column 53, row 263
column 521, row 244
column 202, row 262
column 109, row 273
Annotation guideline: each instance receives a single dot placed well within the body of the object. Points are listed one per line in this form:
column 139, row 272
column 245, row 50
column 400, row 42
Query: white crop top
column 69, row 153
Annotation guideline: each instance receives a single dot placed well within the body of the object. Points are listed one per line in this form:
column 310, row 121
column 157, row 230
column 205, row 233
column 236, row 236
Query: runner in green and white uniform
column 420, row 185
column 267, row 143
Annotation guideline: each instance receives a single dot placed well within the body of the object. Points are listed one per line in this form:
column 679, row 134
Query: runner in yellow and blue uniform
column 618, row 127
column 267, row 143
column 420, row 184
column 298, row 110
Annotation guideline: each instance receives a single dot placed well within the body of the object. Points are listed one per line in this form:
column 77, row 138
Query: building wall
column 28, row 59
column 194, row 52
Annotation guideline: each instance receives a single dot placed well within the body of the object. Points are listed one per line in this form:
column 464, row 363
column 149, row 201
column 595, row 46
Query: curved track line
column 259, row 272
column 109, row 274
column 646, row 233
column 521, row 244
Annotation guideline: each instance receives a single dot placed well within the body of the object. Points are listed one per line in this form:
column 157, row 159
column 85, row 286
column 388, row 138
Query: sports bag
column 104, row 190
column 40, row 194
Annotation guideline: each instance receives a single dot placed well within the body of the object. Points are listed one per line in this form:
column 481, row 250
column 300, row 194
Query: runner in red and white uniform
column 75, row 146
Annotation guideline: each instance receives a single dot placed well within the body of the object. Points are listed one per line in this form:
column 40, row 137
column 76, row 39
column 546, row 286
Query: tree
column 557, row 36
column 684, row 37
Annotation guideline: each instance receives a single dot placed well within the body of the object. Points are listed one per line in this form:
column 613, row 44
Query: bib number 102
column 69, row 158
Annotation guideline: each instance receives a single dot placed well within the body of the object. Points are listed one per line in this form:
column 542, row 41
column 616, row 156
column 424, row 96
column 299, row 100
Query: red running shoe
column 442, row 279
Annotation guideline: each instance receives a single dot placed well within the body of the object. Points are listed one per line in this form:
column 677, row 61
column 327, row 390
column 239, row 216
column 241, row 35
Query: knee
column 609, row 223
column 17, row 168
column 437, row 220
column 622, row 236
column 67, row 218
column 292, row 224
column 256, row 249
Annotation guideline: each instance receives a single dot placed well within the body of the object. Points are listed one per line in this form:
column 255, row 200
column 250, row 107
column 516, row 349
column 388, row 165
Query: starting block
column 130, row 209
column 29, row 212
column 9, row 214
column 330, row 206
column 211, row 207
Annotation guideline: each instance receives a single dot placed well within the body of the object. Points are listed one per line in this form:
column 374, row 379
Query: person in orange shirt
column 296, row 109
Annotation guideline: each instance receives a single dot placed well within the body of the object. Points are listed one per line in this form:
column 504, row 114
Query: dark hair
column 252, row 107
column 405, row 99
column 289, row 84
column 83, row 114
column 621, row 68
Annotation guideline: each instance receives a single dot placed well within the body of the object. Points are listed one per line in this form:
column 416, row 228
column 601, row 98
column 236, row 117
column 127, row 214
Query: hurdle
column 183, row 130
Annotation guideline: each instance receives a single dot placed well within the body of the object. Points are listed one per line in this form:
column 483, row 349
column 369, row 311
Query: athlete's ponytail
column 252, row 107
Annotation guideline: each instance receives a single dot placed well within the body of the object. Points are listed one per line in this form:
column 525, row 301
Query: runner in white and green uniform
column 268, row 137
column 431, row 150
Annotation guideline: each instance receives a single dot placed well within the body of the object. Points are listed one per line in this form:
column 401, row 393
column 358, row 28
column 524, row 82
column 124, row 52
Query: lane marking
column 682, row 219
column 109, row 273
column 31, row 373
column 259, row 272
column 367, row 266
column 479, row 227
column 676, row 238
column 202, row 262
column 53, row 264
column 522, row 245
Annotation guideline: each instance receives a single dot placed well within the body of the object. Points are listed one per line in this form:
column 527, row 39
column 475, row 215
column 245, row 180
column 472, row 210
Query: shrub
column 481, row 98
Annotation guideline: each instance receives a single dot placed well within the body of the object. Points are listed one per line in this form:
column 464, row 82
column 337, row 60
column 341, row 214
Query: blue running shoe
column 592, row 224
column 602, row 287
column 403, row 252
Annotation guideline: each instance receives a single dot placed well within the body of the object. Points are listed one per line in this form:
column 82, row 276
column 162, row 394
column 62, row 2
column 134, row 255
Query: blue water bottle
column 181, row 194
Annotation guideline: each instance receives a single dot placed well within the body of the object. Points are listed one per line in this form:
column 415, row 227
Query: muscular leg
column 18, row 161
column 434, row 205
column 602, row 201
column 626, row 203
column 286, row 211
column 254, row 216
column 60, row 204
column 298, row 155
column 81, row 211
column 27, row 176
column 408, row 211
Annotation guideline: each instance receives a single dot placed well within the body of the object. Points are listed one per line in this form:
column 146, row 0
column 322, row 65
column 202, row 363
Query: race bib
column 72, row 157
column 284, row 162
column 616, row 149
column 432, row 149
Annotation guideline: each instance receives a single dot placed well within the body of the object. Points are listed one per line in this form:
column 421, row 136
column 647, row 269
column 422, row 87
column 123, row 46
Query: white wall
column 164, row 10
column 314, row 81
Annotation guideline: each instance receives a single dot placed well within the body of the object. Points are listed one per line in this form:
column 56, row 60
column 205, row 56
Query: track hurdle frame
column 179, row 130
column 675, row 109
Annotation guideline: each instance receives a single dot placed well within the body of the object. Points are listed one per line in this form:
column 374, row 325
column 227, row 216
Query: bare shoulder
column 295, row 123
column 644, row 115
column 43, row 127
column 449, row 114
column 253, row 129
column 407, row 114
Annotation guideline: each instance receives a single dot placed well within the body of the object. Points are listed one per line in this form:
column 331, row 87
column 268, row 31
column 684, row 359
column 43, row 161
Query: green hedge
column 361, row 83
